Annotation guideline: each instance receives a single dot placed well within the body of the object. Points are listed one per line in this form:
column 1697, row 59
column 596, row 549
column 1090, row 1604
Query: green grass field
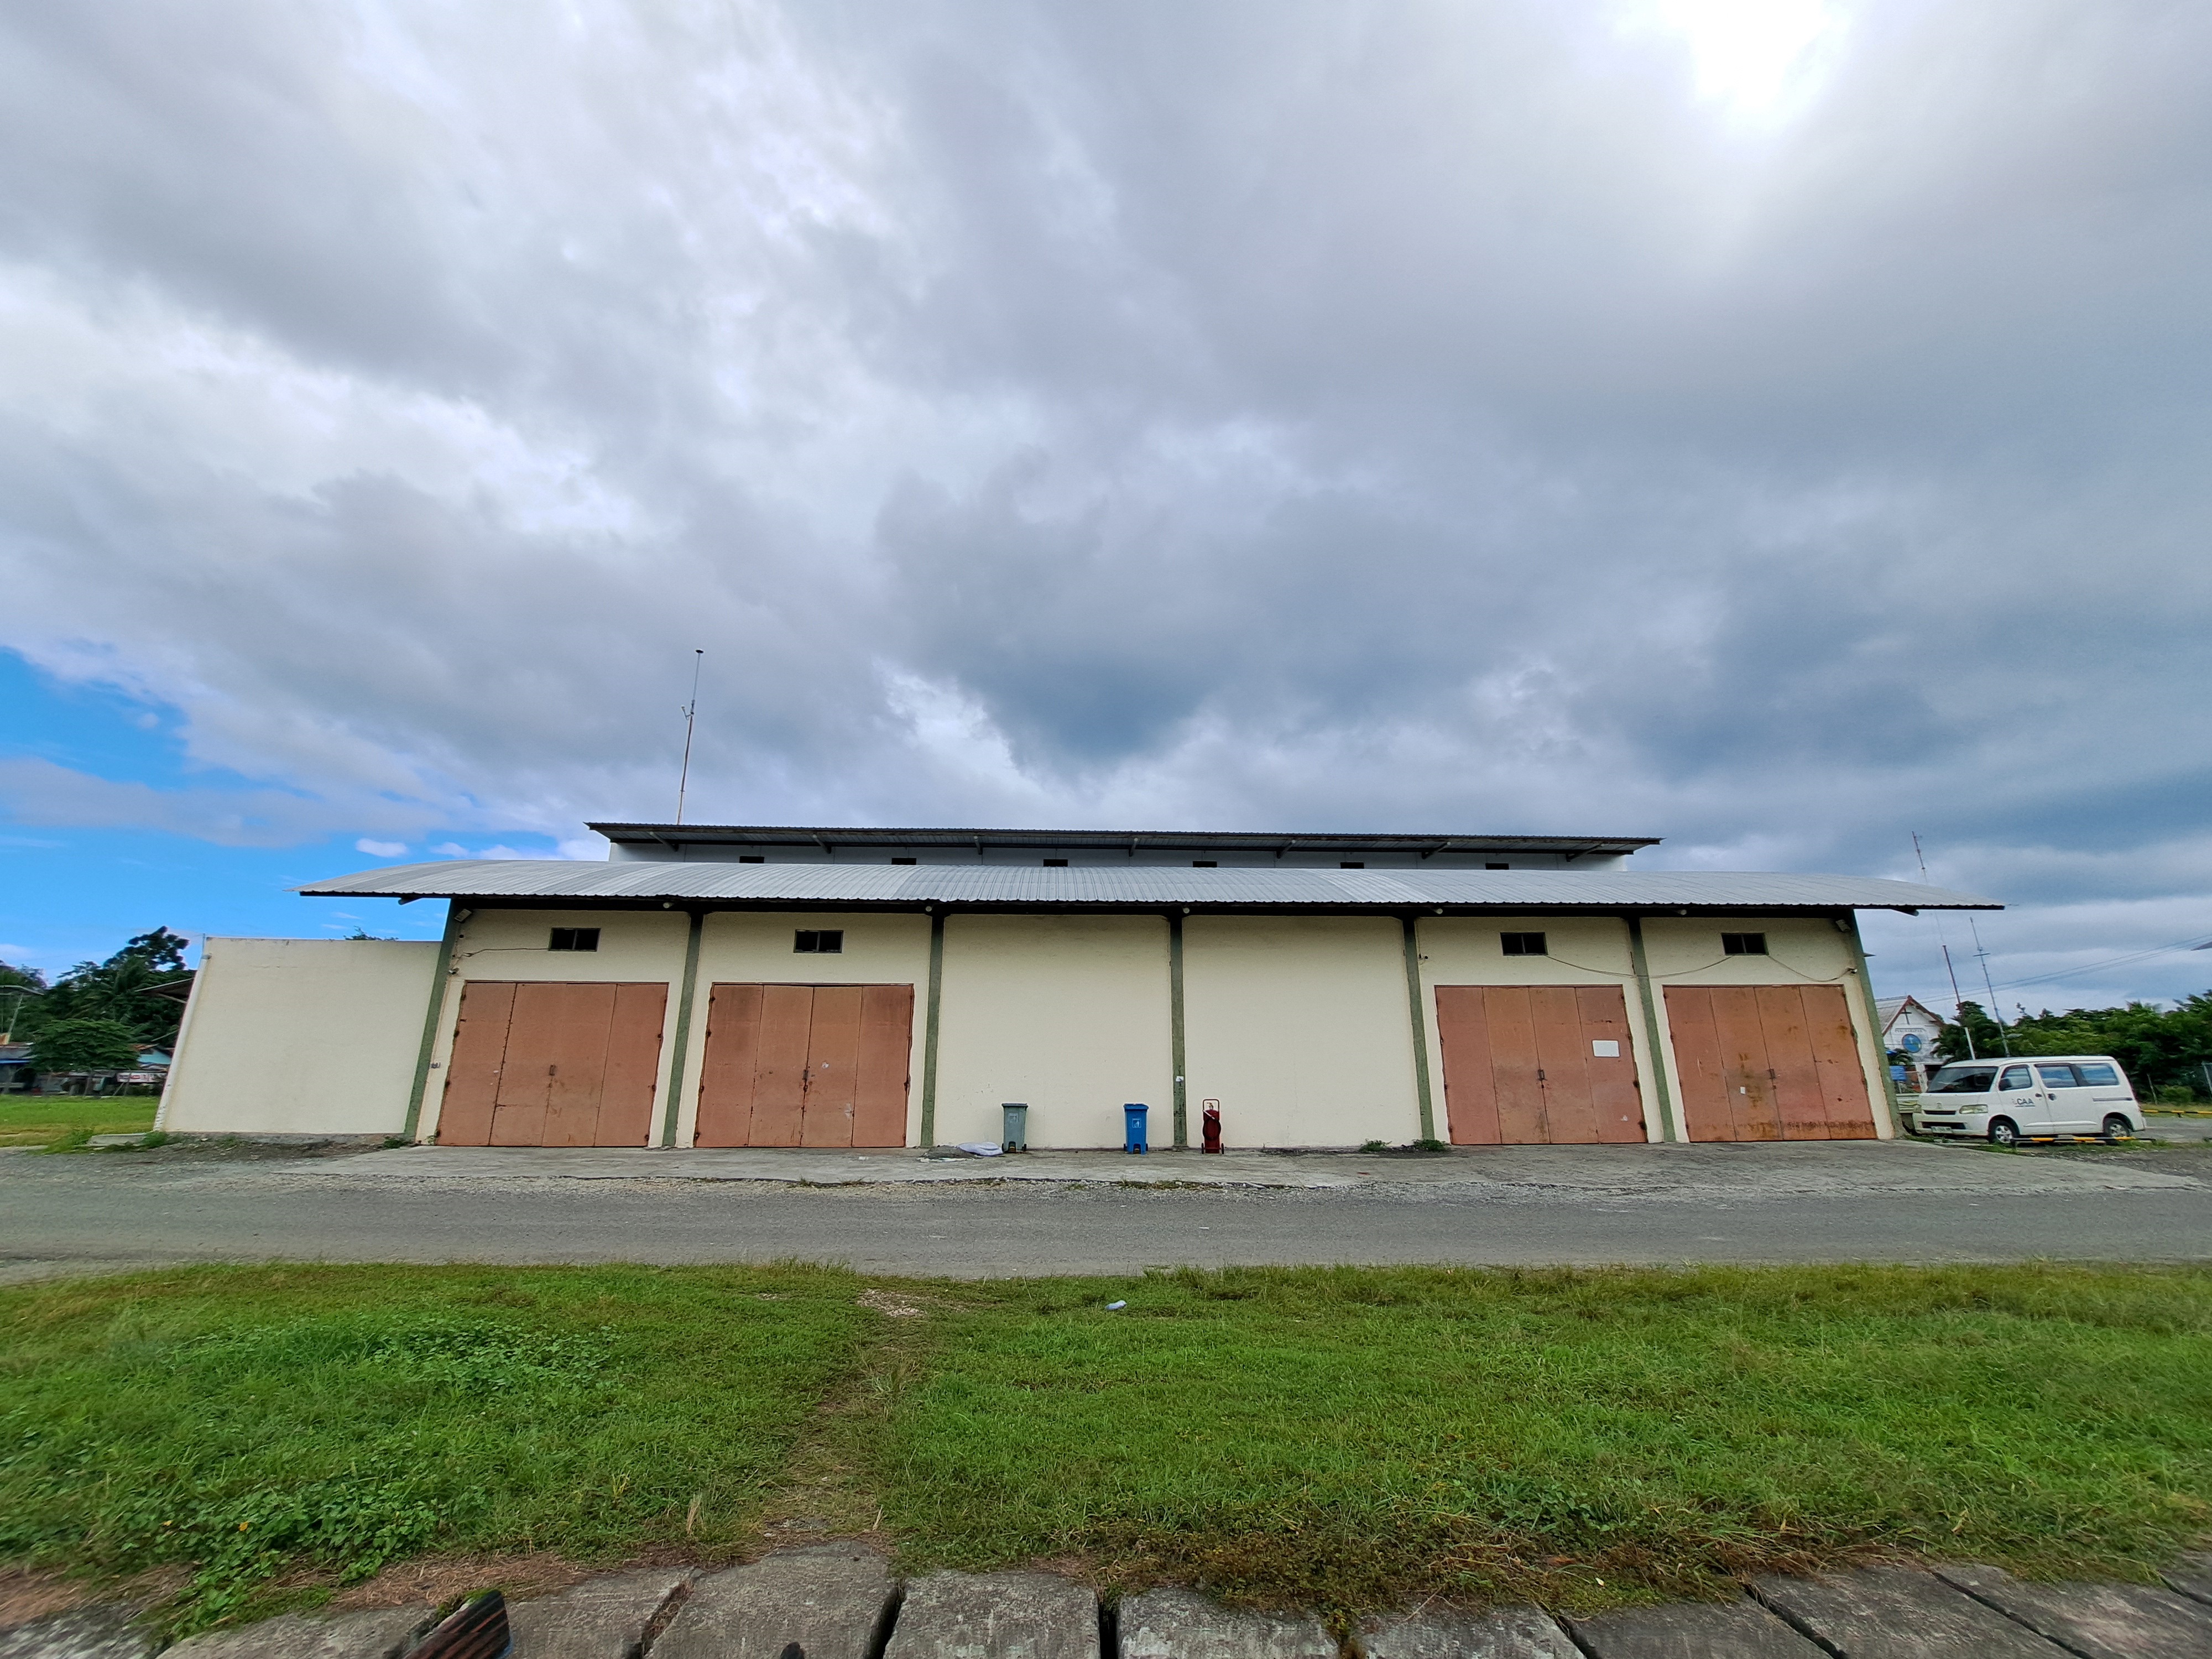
column 1338, row 1439
column 35, row 1119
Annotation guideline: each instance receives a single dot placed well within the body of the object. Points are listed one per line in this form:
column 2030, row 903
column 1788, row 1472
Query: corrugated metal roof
column 908, row 887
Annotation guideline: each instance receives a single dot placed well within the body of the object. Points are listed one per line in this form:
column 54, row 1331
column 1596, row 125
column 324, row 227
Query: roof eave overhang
column 1161, row 906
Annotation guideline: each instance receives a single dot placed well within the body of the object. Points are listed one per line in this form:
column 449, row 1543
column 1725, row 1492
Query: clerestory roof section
column 707, row 840
column 560, row 882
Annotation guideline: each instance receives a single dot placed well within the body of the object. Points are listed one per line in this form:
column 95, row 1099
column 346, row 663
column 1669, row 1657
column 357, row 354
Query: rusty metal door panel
column 1513, row 1065
column 1748, row 1078
column 472, row 1068
column 806, row 1065
column 1842, row 1079
column 833, row 1067
column 1520, row 1068
column 1562, row 1066
column 780, row 1069
column 1719, row 1054
column 1616, row 1101
column 526, row 1081
column 530, row 1035
column 633, row 1072
column 581, row 1016
column 725, row 1072
column 1799, row 1106
column 1698, row 1063
column 1470, row 1092
column 879, row 1093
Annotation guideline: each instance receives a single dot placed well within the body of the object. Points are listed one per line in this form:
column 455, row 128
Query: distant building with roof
column 841, row 987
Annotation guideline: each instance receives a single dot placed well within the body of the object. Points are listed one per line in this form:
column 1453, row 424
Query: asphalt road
column 89, row 1212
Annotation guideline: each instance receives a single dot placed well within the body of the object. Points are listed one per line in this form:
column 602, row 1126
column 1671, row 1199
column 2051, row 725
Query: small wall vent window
column 1206, row 864
column 752, row 858
column 1056, row 864
column 1498, row 866
column 1743, row 945
column 819, row 941
column 901, row 861
column 1523, row 944
column 1352, row 865
column 573, row 939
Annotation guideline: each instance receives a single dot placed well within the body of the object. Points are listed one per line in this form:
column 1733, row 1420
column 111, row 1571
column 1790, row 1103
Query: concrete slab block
column 2192, row 1576
column 95, row 1632
column 1173, row 1624
column 2099, row 1622
column 377, row 1634
column 602, row 1618
column 1503, row 1633
column 828, row 1601
column 997, row 1615
column 1698, row 1630
column 1899, row 1612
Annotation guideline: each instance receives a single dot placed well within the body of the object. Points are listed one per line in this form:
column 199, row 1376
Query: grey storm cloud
column 1773, row 424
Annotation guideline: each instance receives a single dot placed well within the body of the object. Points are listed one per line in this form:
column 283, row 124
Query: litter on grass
column 1112, row 1307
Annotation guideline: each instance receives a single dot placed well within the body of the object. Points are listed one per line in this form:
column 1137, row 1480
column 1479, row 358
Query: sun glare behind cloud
column 1757, row 60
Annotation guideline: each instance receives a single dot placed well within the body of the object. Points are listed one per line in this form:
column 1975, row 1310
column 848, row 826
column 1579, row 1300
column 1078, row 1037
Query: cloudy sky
column 1774, row 425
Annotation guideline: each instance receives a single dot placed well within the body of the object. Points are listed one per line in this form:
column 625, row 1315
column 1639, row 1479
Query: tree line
column 97, row 1017
column 2164, row 1049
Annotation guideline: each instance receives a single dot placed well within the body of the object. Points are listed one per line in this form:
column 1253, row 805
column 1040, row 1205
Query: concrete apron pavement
column 842, row 1602
column 1740, row 1169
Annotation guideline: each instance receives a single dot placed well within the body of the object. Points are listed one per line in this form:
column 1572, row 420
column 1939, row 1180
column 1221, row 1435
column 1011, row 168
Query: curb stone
column 840, row 1601
column 1507, row 1633
column 2097, row 1621
column 1740, row 1630
column 830, row 1601
column 106, row 1632
column 1000, row 1615
column 1881, row 1612
column 380, row 1633
column 2192, row 1576
column 1174, row 1623
column 599, row 1619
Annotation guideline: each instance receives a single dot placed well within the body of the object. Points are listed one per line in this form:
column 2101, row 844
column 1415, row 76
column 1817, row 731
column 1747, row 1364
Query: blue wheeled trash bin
column 1133, row 1127
column 1013, row 1126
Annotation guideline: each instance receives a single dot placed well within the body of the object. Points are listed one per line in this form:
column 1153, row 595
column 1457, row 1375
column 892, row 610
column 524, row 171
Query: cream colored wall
column 1583, row 950
column 1068, row 1014
column 754, row 947
column 300, row 1036
column 636, row 946
column 1800, row 951
column 1299, row 1025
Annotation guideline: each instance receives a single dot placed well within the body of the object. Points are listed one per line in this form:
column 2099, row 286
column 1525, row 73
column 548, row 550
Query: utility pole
column 1958, row 1002
column 2003, row 1037
column 690, row 715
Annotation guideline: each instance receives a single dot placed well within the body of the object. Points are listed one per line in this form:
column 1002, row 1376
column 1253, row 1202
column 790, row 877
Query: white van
column 2010, row 1101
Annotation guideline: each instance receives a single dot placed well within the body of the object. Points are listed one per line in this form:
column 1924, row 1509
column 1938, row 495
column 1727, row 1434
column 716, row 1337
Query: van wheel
column 2003, row 1132
column 2118, row 1128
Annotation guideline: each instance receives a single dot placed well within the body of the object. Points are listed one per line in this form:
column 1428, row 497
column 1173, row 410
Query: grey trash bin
column 1014, row 1126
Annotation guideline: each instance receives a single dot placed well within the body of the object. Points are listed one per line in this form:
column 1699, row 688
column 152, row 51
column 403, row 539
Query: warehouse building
column 750, row 986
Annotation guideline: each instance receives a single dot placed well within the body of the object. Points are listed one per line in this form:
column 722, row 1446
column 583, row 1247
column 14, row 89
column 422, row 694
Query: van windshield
column 1964, row 1080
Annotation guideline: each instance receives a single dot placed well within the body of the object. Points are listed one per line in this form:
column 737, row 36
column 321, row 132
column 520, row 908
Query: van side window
column 1964, row 1080
column 2015, row 1077
column 2100, row 1077
column 2057, row 1077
